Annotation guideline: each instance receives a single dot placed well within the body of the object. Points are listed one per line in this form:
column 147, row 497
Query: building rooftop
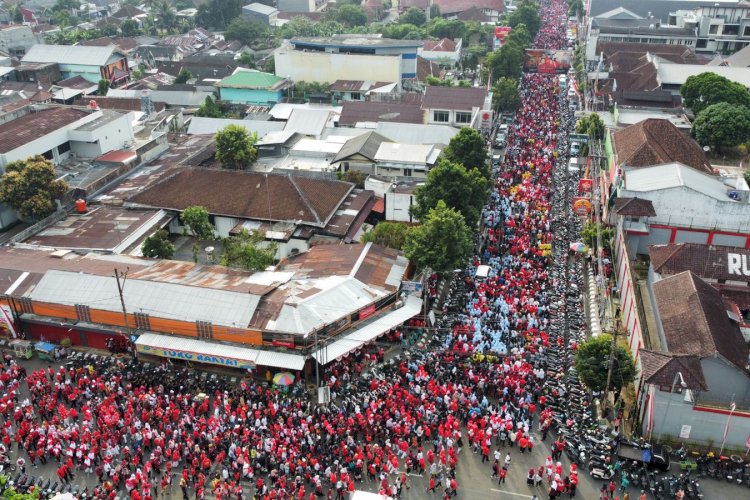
column 707, row 261
column 70, row 54
column 37, row 124
column 672, row 175
column 677, row 74
column 356, row 85
column 656, row 141
column 695, row 321
column 354, row 40
column 309, row 121
column 354, row 112
column 417, row 133
column 365, row 145
column 76, row 82
column 407, row 153
column 200, row 125
column 457, row 98
column 248, row 195
column 634, row 207
column 260, row 8
column 455, row 6
column 660, row 369
column 252, row 80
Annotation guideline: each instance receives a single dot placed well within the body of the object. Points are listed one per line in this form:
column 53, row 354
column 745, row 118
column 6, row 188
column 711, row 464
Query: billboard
column 547, row 61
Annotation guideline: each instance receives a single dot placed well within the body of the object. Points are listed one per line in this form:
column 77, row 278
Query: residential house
column 358, row 90
column 44, row 74
column 700, row 353
column 638, row 30
column 347, row 57
column 358, row 153
column 722, row 28
column 126, row 45
column 399, row 160
column 454, row 9
column 92, row 63
column 16, row 39
column 261, row 13
column 252, row 87
column 456, row 106
column 129, row 12
column 304, row 206
column 446, row 52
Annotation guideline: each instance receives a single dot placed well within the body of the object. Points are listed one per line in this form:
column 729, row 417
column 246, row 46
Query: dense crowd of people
column 477, row 387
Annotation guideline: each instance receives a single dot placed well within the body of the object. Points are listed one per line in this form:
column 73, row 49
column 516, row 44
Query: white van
column 563, row 79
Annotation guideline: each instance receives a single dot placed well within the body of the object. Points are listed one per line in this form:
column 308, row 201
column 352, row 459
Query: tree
column 469, row 149
column 413, row 16
column 31, row 187
column 589, row 235
column 247, row 59
column 459, row 188
column 103, row 87
column 700, row 91
column 442, row 242
column 212, row 109
column 505, row 96
column 506, row 62
column 389, row 234
column 527, row 14
column 519, row 36
column 356, row 177
column 183, row 76
column 592, row 364
column 158, row 246
column 348, row 15
column 196, row 221
column 722, row 125
column 591, row 125
column 235, row 148
column 166, row 18
column 246, row 31
column 434, row 11
column 244, row 250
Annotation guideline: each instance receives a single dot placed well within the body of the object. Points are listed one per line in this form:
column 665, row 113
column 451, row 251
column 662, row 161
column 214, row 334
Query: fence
column 721, row 401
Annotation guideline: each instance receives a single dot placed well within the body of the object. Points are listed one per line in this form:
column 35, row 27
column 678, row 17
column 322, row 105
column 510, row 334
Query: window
column 440, row 116
column 746, row 31
column 702, row 43
column 463, row 117
column 407, row 172
column 356, row 96
column 63, row 148
column 713, row 29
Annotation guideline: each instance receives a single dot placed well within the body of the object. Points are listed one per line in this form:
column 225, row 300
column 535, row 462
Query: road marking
column 511, row 493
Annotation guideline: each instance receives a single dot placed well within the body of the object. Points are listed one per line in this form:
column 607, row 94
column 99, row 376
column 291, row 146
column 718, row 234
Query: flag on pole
column 732, row 407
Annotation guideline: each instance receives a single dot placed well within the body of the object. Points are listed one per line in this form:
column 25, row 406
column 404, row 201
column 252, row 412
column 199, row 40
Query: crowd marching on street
column 476, row 385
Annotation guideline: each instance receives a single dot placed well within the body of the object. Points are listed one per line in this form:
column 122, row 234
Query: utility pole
column 613, row 347
column 120, row 287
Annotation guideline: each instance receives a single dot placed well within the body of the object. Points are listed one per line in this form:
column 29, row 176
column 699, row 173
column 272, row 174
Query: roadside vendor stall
column 46, row 350
column 22, row 348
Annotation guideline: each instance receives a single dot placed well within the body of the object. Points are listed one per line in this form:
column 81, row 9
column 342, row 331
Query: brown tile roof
column 444, row 45
column 655, row 141
column 639, row 49
column 27, row 128
column 695, row 321
column 709, row 262
column 120, row 103
column 248, row 195
column 474, row 14
column 356, row 85
column 76, row 82
column 458, row 98
column 638, row 77
column 427, row 68
column 634, row 207
column 127, row 12
column 375, row 111
column 660, row 369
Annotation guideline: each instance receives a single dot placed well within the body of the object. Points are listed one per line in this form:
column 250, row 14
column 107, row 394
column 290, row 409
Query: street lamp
column 669, row 402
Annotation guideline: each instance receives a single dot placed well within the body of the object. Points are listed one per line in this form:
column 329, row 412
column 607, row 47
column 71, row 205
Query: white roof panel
column 308, row 121
column 415, row 133
column 204, row 126
column 164, row 300
column 368, row 332
column 404, row 153
column 676, row 74
column 671, row 175
column 184, row 344
column 283, row 360
column 69, row 54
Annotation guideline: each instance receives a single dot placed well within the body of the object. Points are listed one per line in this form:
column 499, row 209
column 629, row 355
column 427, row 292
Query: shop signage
column 194, row 356
column 283, row 343
column 367, row 311
column 411, row 286
column 737, row 264
column 581, row 206
column 585, row 186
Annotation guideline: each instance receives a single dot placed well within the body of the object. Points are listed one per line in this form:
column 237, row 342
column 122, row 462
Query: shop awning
column 285, row 360
column 368, row 332
column 197, row 351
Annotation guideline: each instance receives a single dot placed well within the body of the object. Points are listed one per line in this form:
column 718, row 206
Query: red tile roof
column 634, row 207
column 34, row 125
column 655, row 141
column 707, row 261
column 248, row 195
column 444, row 45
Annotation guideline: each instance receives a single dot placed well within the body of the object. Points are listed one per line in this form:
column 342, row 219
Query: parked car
column 575, row 148
column 500, row 140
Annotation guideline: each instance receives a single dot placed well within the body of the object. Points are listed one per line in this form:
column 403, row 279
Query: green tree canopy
column 183, row 76
column 506, row 62
column 158, row 246
column 348, row 15
column 214, row 109
column 103, row 87
column 469, row 149
column 389, row 234
column 592, row 364
column 591, row 125
column 246, row 31
column 235, row 147
column 505, row 96
column 442, row 28
column 31, row 187
column 701, row 91
column 248, row 250
column 459, row 188
column 197, row 222
column 442, row 242
column 519, row 36
column 722, row 125
column 219, row 13
column 414, row 16
column 575, row 7
column 356, row 177
column 527, row 14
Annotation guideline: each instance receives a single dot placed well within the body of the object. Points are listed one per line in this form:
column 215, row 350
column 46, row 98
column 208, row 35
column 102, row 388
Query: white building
column 456, row 106
column 16, row 40
column 397, row 160
column 720, row 27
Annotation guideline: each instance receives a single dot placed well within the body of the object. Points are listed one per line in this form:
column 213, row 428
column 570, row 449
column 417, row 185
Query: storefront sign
column 411, row 286
column 283, row 343
column 367, row 311
column 193, row 356
column 581, row 206
column 6, row 321
column 737, row 264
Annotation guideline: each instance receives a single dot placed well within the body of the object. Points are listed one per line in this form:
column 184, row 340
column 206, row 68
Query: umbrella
column 578, row 247
column 283, row 378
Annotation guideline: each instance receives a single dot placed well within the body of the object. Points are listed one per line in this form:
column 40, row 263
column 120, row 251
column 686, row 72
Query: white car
column 575, row 148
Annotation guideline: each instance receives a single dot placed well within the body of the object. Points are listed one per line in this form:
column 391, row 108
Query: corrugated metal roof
column 362, row 335
column 280, row 360
column 414, row 133
column 308, row 121
column 671, row 175
column 201, row 126
column 404, row 153
column 164, row 300
column 69, row 54
column 184, row 344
